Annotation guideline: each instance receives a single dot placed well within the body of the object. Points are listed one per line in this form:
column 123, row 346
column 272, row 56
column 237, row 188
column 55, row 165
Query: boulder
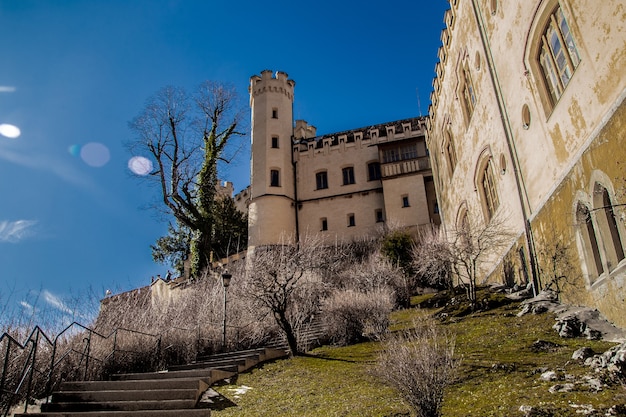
column 583, row 353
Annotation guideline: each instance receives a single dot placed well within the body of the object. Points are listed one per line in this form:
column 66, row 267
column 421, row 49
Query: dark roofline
column 413, row 120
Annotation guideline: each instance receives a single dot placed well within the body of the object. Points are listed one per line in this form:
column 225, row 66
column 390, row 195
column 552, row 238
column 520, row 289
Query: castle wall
column 548, row 122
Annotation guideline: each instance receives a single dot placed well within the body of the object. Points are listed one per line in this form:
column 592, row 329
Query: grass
column 499, row 372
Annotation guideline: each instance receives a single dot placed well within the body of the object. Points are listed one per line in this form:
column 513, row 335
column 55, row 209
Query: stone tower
column 272, row 209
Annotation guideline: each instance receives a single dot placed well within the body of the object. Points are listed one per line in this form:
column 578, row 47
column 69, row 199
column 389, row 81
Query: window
column 450, row 152
column 590, row 242
column 607, row 226
column 351, row 221
column 488, row 190
column 405, row 201
column 558, row 56
column 275, row 142
column 324, row 222
column 379, row 216
column 373, row 171
column 348, row 175
column 400, row 153
column 274, row 113
column 274, row 178
column 321, row 180
column 468, row 94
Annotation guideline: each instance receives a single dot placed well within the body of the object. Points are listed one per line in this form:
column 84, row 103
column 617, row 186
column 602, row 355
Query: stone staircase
column 172, row 393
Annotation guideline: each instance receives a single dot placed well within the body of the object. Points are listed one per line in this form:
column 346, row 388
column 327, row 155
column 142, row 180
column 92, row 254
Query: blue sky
column 73, row 73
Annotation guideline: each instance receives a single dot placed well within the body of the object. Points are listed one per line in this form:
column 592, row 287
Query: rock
column 569, row 326
column 526, row 409
column 569, row 387
column 583, row 353
column 544, row 346
column 549, row 376
column 544, row 301
column 587, row 322
column 593, row 384
column 612, row 361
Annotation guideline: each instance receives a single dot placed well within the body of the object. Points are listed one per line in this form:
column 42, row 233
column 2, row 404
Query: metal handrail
column 38, row 336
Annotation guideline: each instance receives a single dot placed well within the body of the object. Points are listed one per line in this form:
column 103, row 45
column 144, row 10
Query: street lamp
column 225, row 282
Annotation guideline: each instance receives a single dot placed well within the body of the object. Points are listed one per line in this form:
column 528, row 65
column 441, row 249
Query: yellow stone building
column 527, row 123
column 340, row 186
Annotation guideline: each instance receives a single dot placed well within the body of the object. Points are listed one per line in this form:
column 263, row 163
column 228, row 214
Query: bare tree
column 463, row 251
column 285, row 281
column 555, row 261
column 186, row 136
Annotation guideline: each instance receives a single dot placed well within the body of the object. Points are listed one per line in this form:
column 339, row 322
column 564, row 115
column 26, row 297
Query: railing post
column 5, row 367
column 88, row 350
column 32, row 369
column 49, row 381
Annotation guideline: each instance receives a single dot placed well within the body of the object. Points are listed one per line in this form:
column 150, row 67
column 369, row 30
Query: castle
column 339, row 186
column 526, row 124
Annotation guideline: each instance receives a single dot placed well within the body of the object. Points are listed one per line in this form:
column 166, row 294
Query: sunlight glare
column 95, row 154
column 140, row 165
column 9, row 131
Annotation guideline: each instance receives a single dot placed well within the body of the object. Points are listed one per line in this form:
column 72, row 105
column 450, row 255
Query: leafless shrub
column 373, row 272
column 353, row 316
column 420, row 363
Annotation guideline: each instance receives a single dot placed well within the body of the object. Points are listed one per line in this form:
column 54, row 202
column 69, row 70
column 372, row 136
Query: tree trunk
column 292, row 341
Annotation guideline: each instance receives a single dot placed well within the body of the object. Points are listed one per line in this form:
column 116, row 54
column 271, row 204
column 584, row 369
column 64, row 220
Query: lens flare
column 74, row 150
column 140, row 165
column 9, row 131
column 95, row 154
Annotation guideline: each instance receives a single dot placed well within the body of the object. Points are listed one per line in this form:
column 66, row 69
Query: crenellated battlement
column 443, row 52
column 271, row 82
column 349, row 140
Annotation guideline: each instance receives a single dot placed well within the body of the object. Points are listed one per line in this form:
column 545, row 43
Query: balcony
column 408, row 166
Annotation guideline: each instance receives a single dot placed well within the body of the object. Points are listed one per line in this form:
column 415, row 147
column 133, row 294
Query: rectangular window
column 379, row 216
column 274, row 178
column 348, row 175
column 275, row 142
column 324, row 222
column 373, row 171
column 401, row 153
column 405, row 201
column 274, row 113
column 321, row 180
column 351, row 221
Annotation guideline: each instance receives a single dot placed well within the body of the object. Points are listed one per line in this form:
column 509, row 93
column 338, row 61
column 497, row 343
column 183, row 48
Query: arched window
column 551, row 53
column 450, row 152
column 589, row 242
column 607, row 226
column 558, row 55
column 467, row 92
column 485, row 181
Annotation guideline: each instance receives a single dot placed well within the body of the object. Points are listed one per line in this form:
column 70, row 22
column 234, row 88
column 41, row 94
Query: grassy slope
column 338, row 381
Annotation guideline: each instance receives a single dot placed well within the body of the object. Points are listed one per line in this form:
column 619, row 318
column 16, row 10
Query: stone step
column 197, row 412
column 240, row 365
column 208, row 375
column 157, row 404
column 132, row 385
column 125, row 395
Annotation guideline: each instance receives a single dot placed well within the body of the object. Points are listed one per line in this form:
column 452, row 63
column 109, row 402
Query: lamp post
column 225, row 282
